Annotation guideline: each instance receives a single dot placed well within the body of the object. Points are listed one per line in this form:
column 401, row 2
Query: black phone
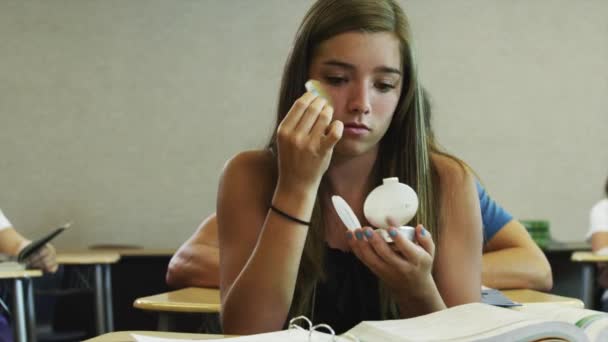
column 36, row 245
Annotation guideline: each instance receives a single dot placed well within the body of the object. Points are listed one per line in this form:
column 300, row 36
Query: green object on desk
column 538, row 230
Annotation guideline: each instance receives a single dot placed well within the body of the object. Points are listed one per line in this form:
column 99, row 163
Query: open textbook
column 468, row 322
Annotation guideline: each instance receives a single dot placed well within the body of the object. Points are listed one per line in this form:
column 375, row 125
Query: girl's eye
column 384, row 87
column 335, row 80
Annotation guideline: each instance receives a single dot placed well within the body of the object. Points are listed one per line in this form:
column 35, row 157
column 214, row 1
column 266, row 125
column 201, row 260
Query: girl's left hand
column 44, row 259
column 405, row 267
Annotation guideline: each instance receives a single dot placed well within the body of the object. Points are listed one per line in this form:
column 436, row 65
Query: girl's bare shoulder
column 452, row 172
column 253, row 169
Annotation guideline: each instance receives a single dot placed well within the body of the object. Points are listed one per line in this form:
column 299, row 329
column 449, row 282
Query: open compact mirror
column 390, row 204
column 345, row 213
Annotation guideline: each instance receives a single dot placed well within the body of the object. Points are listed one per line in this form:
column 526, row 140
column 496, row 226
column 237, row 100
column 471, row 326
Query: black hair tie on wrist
column 289, row 217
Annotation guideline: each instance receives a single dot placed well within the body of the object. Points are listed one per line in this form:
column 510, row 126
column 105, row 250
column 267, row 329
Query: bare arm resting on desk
column 11, row 243
column 196, row 262
column 512, row 260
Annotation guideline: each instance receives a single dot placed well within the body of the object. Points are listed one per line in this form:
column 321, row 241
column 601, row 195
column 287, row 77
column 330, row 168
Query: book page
column 595, row 323
column 465, row 323
column 144, row 338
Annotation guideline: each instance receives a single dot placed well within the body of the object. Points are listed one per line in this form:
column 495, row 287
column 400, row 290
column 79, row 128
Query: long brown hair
column 404, row 149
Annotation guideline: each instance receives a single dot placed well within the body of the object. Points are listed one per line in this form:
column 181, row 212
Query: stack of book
column 539, row 231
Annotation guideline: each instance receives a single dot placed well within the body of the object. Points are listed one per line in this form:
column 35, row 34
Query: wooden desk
column 136, row 252
column 139, row 268
column 191, row 299
column 23, row 305
column 588, row 261
column 194, row 299
column 147, row 252
column 125, row 336
column 566, row 274
column 100, row 261
column 526, row 296
column 566, row 246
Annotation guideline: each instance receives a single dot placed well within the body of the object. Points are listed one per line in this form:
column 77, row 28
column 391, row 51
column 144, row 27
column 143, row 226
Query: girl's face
column 361, row 73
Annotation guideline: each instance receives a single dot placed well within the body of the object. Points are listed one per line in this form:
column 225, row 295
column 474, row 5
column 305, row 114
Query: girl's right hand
column 44, row 259
column 305, row 141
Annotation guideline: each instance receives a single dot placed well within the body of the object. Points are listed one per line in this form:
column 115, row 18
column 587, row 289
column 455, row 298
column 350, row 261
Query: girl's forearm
column 268, row 278
column 424, row 301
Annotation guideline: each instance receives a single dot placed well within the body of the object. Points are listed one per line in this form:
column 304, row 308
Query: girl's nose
column 359, row 100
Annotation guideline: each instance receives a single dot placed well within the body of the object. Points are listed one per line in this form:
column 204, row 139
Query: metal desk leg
column 108, row 297
column 31, row 310
column 19, row 327
column 165, row 321
column 588, row 285
column 100, row 315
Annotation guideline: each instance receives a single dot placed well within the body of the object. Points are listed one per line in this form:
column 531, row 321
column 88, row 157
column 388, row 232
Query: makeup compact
column 391, row 204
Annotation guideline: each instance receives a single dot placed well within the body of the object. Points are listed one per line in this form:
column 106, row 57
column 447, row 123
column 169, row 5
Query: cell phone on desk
column 496, row 298
column 33, row 247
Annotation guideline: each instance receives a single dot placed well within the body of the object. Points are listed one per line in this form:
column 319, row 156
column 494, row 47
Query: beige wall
column 120, row 114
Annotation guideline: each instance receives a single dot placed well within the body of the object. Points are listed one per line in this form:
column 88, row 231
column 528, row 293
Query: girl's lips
column 356, row 126
column 356, row 129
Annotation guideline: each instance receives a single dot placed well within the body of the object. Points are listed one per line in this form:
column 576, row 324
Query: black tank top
column 349, row 294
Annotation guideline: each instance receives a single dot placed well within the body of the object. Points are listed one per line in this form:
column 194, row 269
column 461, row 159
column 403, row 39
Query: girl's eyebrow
column 380, row 69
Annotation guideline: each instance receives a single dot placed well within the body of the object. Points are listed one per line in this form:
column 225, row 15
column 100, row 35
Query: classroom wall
column 119, row 115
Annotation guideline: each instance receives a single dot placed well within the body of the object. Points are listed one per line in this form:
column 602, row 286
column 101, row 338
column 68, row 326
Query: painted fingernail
column 423, row 231
column 392, row 232
column 349, row 235
column 359, row 235
column 369, row 233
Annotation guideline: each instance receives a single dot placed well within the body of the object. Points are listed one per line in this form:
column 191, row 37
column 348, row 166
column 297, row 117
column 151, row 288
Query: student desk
column 191, row 300
column 588, row 261
column 125, row 336
column 140, row 272
column 101, row 262
column 526, row 296
column 23, row 305
column 137, row 252
column 566, row 274
column 566, row 246
column 207, row 300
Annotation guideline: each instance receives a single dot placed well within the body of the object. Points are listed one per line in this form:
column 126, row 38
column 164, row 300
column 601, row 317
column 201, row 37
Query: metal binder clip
column 312, row 328
column 322, row 326
column 293, row 325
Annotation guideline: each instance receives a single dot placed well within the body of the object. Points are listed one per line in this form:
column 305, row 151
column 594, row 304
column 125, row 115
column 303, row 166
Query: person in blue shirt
column 511, row 259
